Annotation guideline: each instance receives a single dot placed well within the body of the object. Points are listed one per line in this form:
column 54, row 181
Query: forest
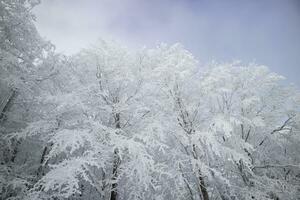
column 110, row 123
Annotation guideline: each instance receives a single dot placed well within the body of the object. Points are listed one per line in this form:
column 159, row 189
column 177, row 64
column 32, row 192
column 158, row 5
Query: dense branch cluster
column 109, row 123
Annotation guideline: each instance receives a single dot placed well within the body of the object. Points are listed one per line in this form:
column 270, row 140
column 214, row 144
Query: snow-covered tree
column 255, row 115
column 109, row 123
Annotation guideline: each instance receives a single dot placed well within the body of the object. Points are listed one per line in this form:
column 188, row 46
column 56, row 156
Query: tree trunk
column 41, row 169
column 114, row 193
column 15, row 150
column 5, row 104
column 203, row 187
column 117, row 120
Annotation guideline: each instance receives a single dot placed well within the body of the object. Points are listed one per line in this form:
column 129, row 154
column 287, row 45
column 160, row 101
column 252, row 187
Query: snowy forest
column 109, row 123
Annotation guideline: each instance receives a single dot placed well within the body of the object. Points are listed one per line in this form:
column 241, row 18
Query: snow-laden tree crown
column 112, row 124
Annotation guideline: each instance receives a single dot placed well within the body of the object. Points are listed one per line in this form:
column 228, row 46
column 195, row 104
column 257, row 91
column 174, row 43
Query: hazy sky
column 264, row 31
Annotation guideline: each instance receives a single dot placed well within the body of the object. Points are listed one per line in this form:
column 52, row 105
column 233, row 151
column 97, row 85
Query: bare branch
column 275, row 166
column 282, row 127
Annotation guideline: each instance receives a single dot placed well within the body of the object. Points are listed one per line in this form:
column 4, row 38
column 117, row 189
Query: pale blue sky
column 264, row 31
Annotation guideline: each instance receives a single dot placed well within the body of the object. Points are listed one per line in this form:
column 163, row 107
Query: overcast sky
column 264, row 31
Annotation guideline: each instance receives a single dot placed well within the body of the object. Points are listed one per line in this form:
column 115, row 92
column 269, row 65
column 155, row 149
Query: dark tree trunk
column 40, row 172
column 114, row 193
column 117, row 120
column 243, row 173
column 6, row 104
column 43, row 155
column 15, row 150
column 203, row 187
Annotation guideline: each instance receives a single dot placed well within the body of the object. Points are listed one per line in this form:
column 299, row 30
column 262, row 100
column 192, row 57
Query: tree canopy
column 111, row 123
